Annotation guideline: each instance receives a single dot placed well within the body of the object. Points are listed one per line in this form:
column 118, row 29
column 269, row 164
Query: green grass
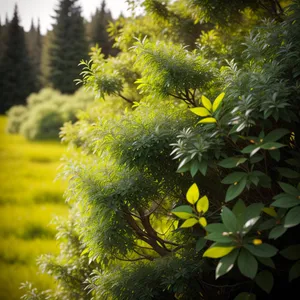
column 29, row 199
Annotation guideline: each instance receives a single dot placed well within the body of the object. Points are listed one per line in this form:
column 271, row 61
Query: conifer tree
column 16, row 77
column 99, row 34
column 68, row 46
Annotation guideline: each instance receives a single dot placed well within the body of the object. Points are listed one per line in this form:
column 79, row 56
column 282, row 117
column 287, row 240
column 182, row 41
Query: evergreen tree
column 16, row 77
column 68, row 46
column 34, row 42
column 98, row 30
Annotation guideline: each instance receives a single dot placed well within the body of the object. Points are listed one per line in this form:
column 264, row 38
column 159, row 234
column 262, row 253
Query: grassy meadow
column 29, row 199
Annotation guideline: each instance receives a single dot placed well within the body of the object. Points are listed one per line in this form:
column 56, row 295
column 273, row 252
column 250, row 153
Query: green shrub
column 17, row 115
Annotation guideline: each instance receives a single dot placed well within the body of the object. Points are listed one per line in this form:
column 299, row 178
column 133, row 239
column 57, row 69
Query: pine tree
column 99, row 33
column 34, row 42
column 16, row 77
column 68, row 46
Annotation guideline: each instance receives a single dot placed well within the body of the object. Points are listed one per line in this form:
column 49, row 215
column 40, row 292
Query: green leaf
column 193, row 194
column 245, row 296
column 239, row 210
column 267, row 224
column 292, row 218
column 294, row 271
column 203, row 167
column 249, row 149
column 226, row 263
column 266, row 261
column 253, row 210
column 229, row 219
column 218, row 101
column 286, row 201
column 291, row 252
column 276, row 134
column 247, row 264
column 288, row 173
column 265, row 281
column 215, row 227
column 272, row 146
column 276, row 232
column 263, row 250
column 207, row 120
column 289, row 189
column 275, row 154
column 235, row 190
column 249, row 224
column 183, row 212
column 234, row 177
column 200, row 244
column 218, row 237
column 189, row 223
column 194, row 168
column 232, row 162
column 200, row 111
column 256, row 159
column 218, row 251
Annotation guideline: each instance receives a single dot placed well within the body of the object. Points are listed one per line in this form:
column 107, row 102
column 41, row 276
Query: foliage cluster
column 45, row 113
column 183, row 197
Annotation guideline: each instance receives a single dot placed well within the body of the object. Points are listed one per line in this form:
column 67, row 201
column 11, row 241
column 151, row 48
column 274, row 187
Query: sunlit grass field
column 29, row 199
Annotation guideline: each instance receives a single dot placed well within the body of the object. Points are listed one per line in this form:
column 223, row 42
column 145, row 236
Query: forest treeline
column 30, row 61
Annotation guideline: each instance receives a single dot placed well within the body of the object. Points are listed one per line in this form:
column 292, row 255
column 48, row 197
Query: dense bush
column 46, row 112
column 194, row 194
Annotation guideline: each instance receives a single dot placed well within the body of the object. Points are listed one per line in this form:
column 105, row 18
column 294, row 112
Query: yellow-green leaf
column 216, row 252
column 270, row 211
column 206, row 102
column 189, row 223
column 202, row 205
column 200, row 111
column 218, row 101
column 203, row 222
column 192, row 194
column 183, row 215
column 208, row 120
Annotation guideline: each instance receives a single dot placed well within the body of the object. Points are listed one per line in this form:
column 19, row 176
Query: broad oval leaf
column 292, row 218
column 206, row 102
column 203, row 222
column 189, row 223
column 219, row 238
column 183, row 212
column 235, row 190
column 234, row 177
column 266, row 261
column 263, row 250
column 286, row 201
column 272, row 146
column 208, row 120
column 245, row 296
column 276, row 134
column 200, row 111
column 265, row 281
column 217, row 252
column 247, row 264
column 218, row 101
column 276, row 232
column 226, row 263
column 294, row 271
column 270, row 211
column 200, row 244
column 193, row 194
column 216, row 227
column 291, row 252
column 229, row 219
column 231, row 162
column 202, row 205
column 289, row 189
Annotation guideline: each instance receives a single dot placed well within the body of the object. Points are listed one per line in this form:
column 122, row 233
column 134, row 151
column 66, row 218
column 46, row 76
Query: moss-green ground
column 29, row 199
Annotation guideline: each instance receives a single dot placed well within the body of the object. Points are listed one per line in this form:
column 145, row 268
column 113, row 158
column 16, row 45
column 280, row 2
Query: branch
column 125, row 98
